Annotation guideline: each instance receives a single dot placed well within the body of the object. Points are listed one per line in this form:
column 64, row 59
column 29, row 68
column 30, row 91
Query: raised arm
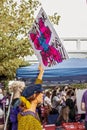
column 40, row 75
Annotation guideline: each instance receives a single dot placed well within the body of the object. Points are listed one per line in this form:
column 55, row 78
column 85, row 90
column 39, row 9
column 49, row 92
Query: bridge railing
column 76, row 47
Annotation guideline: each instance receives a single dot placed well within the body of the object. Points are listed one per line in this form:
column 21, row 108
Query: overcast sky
column 73, row 21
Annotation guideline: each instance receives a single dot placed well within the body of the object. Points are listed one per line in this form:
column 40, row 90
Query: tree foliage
column 80, row 86
column 15, row 21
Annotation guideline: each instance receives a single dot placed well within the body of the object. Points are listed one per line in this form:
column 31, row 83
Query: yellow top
column 28, row 122
column 38, row 81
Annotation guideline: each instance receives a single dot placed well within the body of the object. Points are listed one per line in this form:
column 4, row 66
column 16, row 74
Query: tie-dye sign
column 45, row 41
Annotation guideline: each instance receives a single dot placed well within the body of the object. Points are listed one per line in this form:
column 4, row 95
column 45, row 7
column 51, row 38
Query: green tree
column 15, row 22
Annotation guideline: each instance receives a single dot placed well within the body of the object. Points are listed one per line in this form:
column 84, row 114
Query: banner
column 45, row 41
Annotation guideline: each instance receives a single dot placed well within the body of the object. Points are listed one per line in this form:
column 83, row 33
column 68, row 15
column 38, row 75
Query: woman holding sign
column 31, row 97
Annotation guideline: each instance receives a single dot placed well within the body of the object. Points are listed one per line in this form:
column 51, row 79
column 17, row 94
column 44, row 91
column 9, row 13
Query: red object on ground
column 49, row 127
column 74, row 126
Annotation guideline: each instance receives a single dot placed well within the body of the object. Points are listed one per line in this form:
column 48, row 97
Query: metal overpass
column 76, row 47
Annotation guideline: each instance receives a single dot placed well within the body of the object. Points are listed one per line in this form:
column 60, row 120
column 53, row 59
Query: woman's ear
column 34, row 95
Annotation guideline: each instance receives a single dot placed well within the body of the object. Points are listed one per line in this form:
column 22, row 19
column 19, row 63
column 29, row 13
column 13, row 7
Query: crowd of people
column 33, row 106
column 61, row 102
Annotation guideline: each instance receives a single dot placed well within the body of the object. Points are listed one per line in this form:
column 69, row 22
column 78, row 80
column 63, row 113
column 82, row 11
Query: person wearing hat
column 31, row 97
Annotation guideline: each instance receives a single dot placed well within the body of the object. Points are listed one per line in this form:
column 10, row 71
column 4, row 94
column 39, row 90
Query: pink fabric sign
column 45, row 41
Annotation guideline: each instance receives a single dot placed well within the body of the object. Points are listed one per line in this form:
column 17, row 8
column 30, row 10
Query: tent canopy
column 73, row 70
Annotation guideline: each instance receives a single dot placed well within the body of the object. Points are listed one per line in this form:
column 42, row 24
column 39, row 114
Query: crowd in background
column 59, row 105
column 60, row 101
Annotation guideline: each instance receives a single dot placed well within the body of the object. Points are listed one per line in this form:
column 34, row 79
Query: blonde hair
column 17, row 84
column 25, row 101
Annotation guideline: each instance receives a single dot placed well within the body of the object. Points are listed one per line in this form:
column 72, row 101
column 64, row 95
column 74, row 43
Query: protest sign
column 45, row 41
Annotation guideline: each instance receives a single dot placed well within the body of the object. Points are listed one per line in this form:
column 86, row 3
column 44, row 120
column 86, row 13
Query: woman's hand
column 41, row 68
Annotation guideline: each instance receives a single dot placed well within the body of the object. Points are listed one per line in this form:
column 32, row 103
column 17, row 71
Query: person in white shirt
column 47, row 99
